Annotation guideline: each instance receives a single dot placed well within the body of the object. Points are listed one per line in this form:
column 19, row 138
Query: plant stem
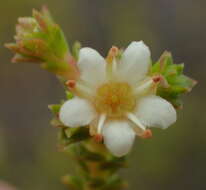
column 97, row 168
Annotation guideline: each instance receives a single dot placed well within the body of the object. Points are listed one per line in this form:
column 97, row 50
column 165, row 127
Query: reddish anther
column 114, row 50
column 71, row 83
column 157, row 79
column 147, row 134
column 98, row 138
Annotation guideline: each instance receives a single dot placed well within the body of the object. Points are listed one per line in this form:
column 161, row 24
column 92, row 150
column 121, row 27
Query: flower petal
column 135, row 62
column 118, row 137
column 92, row 66
column 154, row 111
column 76, row 112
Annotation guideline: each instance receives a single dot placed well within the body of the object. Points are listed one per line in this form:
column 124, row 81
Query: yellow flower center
column 115, row 99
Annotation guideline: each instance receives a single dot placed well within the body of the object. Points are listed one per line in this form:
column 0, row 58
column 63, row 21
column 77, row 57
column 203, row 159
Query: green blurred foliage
column 172, row 159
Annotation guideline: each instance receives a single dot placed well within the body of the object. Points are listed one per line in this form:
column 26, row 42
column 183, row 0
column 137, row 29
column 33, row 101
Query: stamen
column 111, row 60
column 85, row 83
column 112, row 69
column 114, row 66
column 148, row 84
column 147, row 134
column 101, row 123
column 114, row 51
column 135, row 120
column 144, row 86
column 98, row 138
column 83, row 89
column 71, row 83
column 112, row 54
column 157, row 78
column 79, row 87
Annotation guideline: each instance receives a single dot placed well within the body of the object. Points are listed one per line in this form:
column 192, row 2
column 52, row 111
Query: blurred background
column 172, row 159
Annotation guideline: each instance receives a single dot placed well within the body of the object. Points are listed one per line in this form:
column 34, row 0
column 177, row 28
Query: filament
column 101, row 123
column 136, row 121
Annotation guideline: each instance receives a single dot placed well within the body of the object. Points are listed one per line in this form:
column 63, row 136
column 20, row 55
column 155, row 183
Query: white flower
column 117, row 99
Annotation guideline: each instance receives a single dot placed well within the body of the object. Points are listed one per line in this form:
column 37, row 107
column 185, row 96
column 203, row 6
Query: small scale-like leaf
column 69, row 136
column 69, row 95
column 75, row 50
column 177, row 82
column 114, row 164
column 114, row 183
column 55, row 108
column 74, row 182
